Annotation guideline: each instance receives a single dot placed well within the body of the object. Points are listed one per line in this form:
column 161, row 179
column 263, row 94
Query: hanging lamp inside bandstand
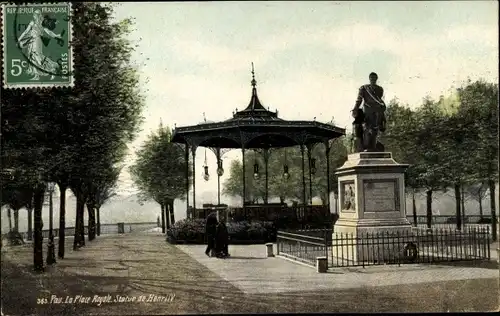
column 286, row 175
column 206, row 175
column 220, row 169
column 255, row 168
column 313, row 166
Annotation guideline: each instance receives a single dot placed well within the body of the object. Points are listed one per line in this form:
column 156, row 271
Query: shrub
column 484, row 220
column 190, row 230
column 193, row 231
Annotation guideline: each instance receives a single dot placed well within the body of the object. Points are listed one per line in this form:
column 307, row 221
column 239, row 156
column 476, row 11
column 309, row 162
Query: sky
column 310, row 58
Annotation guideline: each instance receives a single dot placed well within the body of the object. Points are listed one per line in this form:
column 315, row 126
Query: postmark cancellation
column 36, row 44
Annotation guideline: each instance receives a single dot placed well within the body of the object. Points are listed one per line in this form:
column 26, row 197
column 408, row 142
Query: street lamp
column 51, row 256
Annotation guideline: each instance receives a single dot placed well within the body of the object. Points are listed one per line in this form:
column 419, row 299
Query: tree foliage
column 159, row 171
column 290, row 188
column 74, row 136
column 451, row 142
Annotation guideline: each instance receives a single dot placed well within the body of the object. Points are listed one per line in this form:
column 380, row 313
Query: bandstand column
column 303, row 177
column 186, row 157
column 309, row 152
column 218, row 176
column 327, row 155
column 244, row 181
column 266, row 162
column 193, row 151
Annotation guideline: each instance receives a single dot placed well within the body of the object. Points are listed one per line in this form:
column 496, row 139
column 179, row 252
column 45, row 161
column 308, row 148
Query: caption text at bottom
column 98, row 299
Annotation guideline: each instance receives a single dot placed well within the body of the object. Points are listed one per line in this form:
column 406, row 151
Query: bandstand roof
column 255, row 127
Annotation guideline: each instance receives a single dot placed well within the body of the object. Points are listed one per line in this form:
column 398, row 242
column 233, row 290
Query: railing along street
column 106, row 229
column 301, row 247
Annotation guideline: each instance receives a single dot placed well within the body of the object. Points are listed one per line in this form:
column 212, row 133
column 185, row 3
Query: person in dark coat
column 210, row 233
column 221, row 241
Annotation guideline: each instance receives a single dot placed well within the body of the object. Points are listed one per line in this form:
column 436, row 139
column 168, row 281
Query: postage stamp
column 37, row 48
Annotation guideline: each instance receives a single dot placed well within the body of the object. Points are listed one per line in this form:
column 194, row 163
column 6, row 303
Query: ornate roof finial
column 254, row 83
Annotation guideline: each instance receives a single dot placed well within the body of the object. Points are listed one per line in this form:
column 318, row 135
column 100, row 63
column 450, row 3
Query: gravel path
column 174, row 282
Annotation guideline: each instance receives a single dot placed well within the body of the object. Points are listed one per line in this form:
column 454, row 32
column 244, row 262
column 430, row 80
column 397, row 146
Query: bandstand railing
column 296, row 216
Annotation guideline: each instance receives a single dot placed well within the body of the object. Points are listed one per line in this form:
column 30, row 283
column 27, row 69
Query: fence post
column 321, row 264
column 488, row 241
column 326, row 246
column 269, row 249
column 121, row 228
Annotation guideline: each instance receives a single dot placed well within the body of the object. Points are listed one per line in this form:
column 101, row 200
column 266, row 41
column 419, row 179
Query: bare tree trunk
column 429, row 208
column 480, row 200
column 98, row 217
column 91, row 222
column 162, row 218
column 9, row 214
column 463, row 205
column 39, row 194
column 62, row 220
column 82, row 224
column 172, row 215
column 167, row 216
column 457, row 206
column 414, row 205
column 30, row 224
column 79, row 240
column 16, row 221
column 76, row 240
column 336, row 203
column 494, row 232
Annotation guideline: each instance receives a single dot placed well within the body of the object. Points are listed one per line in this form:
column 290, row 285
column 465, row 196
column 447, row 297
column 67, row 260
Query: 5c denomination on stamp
column 36, row 45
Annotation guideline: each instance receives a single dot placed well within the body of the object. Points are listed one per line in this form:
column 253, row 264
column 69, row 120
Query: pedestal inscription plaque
column 380, row 196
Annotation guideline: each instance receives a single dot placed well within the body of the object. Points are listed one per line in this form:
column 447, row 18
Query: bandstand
column 259, row 129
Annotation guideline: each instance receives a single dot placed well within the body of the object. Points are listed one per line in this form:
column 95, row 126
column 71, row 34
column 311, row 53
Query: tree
column 428, row 151
column 479, row 100
column 107, row 100
column 160, row 169
column 337, row 156
column 478, row 192
column 100, row 190
column 401, row 126
column 458, row 140
column 25, row 125
column 103, row 192
column 280, row 187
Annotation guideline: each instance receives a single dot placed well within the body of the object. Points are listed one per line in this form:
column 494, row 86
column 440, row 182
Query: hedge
column 193, row 231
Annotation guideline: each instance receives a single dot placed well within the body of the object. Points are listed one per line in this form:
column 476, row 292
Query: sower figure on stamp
column 31, row 41
column 369, row 121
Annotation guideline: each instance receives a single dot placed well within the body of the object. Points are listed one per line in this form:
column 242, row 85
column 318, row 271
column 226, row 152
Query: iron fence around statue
column 442, row 221
column 410, row 247
column 367, row 249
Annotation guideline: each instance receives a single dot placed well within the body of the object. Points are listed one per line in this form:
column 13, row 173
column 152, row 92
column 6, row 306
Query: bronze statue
column 371, row 119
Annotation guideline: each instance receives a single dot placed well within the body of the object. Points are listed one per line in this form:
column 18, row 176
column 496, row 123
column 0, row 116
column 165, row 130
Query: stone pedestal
column 372, row 219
